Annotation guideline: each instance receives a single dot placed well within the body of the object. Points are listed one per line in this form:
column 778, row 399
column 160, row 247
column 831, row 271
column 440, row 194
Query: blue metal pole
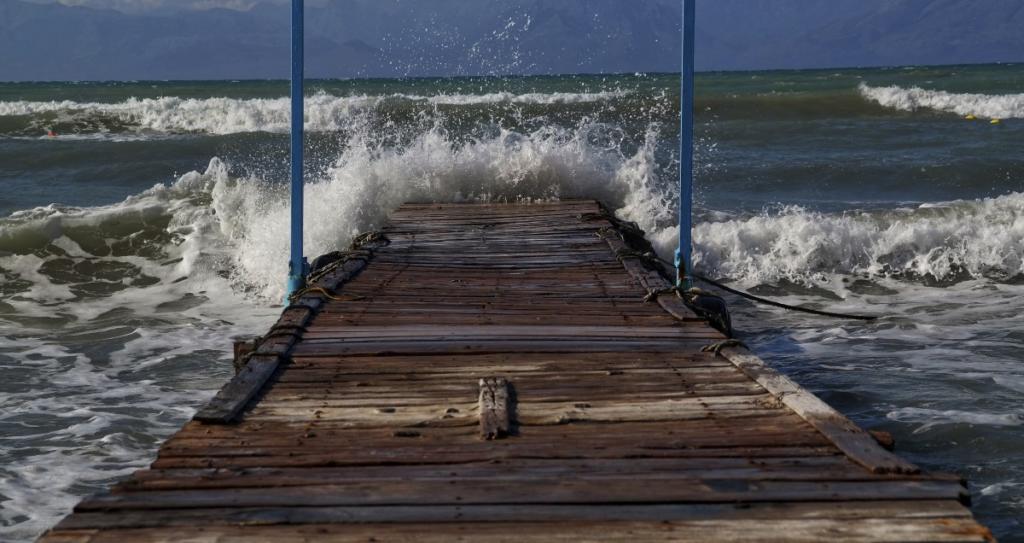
column 297, row 266
column 684, row 255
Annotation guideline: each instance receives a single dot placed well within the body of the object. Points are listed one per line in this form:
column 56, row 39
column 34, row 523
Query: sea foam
column 996, row 106
column 930, row 418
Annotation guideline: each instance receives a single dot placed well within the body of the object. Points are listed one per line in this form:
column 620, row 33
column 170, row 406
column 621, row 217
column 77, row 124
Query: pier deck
column 491, row 372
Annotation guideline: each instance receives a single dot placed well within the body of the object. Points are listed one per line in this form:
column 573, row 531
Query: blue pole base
column 295, row 284
column 296, row 281
column 683, row 279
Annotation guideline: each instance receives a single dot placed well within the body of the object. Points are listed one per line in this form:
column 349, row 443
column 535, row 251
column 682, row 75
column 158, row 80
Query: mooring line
column 761, row 300
column 766, row 301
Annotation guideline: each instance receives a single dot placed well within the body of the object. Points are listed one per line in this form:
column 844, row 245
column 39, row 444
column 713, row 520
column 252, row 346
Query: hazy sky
column 135, row 6
column 185, row 39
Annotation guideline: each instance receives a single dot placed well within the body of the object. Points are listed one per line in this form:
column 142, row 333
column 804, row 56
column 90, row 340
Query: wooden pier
column 494, row 373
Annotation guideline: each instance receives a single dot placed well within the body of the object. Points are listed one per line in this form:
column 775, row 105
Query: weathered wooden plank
column 528, row 412
column 415, row 439
column 314, row 348
column 801, row 531
column 495, row 331
column 850, row 438
column 394, row 396
column 257, row 431
column 343, row 393
column 316, row 476
column 443, row 456
column 524, row 513
column 826, row 468
column 312, row 381
column 670, row 378
column 538, row 491
column 539, row 362
column 356, row 318
column 633, row 439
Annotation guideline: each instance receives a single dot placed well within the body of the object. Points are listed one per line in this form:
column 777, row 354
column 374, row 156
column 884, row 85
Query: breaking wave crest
column 934, row 242
column 368, row 182
column 210, row 226
column 324, row 112
column 996, row 106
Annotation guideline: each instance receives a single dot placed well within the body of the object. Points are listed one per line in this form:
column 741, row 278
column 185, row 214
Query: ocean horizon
column 698, row 72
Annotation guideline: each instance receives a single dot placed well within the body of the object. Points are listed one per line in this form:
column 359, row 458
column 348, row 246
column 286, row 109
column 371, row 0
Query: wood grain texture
column 491, row 372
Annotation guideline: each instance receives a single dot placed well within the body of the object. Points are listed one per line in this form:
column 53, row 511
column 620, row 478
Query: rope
column 370, row 237
column 587, row 217
column 628, row 227
column 623, row 254
column 655, row 294
column 343, row 258
column 323, row 292
column 609, row 231
column 719, row 345
column 764, row 301
column 649, row 259
column 773, row 303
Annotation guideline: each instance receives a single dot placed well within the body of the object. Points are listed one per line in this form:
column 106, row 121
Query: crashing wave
column 940, row 242
column 214, row 225
column 324, row 112
column 209, row 222
column 996, row 106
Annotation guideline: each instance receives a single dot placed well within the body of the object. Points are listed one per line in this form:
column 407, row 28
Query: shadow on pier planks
column 490, row 372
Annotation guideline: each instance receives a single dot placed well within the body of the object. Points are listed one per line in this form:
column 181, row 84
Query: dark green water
column 152, row 225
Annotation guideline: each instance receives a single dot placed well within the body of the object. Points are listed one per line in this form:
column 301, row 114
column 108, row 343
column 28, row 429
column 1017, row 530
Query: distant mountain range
column 386, row 38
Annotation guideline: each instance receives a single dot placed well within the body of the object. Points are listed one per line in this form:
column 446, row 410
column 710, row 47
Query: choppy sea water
column 142, row 224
